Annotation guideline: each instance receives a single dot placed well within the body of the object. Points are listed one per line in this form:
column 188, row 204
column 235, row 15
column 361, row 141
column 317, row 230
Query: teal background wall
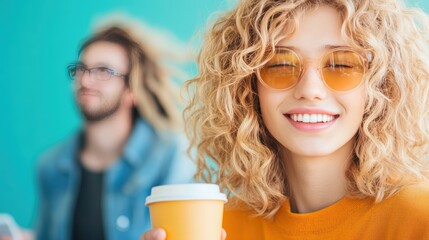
column 38, row 38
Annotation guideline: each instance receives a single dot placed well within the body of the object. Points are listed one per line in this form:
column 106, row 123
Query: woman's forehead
column 318, row 30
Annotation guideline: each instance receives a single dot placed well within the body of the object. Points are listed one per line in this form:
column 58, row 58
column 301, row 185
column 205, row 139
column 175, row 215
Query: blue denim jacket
column 148, row 160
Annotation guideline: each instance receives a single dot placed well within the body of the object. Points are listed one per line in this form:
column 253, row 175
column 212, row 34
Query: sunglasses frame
column 364, row 60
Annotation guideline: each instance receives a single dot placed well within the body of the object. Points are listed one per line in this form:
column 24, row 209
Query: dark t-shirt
column 87, row 222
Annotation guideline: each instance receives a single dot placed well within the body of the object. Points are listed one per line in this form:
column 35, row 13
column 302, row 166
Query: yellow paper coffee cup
column 187, row 211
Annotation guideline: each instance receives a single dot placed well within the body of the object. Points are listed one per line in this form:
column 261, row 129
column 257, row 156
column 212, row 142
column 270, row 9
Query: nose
column 310, row 86
column 86, row 79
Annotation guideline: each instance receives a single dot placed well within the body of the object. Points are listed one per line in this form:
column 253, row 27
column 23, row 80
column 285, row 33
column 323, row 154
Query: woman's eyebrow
column 324, row 47
column 329, row 47
column 320, row 50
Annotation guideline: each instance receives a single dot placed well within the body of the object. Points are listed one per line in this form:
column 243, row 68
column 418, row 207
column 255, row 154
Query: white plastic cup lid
column 192, row 191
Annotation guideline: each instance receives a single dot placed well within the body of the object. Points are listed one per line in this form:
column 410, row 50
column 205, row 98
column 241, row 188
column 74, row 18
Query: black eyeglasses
column 76, row 72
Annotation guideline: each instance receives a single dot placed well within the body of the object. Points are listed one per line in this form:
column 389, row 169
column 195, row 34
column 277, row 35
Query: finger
column 155, row 234
column 223, row 235
column 27, row 235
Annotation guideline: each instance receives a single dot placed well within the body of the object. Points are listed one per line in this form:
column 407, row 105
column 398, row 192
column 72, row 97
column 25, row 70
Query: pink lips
column 307, row 126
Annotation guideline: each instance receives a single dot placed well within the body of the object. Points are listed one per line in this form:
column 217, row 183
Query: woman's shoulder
column 411, row 202
column 405, row 214
column 416, row 196
column 240, row 222
column 236, row 209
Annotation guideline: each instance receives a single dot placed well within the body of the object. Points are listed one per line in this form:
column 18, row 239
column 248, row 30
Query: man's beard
column 103, row 112
column 95, row 114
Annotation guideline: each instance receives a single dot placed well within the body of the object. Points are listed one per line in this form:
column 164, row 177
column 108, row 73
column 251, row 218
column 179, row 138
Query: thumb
column 223, row 235
column 155, row 234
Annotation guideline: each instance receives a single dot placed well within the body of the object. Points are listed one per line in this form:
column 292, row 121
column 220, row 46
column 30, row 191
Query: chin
column 308, row 150
column 314, row 153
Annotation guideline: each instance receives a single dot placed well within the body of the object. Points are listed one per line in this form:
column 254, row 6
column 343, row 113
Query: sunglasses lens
column 343, row 70
column 282, row 71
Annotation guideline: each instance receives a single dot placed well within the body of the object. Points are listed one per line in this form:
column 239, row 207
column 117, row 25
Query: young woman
column 315, row 114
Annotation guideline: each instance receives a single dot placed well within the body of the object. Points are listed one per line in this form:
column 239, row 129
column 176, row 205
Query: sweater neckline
column 341, row 212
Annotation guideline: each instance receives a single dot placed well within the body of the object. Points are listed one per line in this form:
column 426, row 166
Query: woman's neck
column 317, row 182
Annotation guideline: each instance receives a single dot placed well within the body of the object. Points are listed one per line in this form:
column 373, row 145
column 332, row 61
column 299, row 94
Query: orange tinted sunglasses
column 342, row 69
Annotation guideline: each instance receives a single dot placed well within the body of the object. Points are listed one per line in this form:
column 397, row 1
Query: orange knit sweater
column 403, row 216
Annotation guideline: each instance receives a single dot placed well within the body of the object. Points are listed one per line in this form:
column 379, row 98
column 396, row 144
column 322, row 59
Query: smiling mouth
column 311, row 118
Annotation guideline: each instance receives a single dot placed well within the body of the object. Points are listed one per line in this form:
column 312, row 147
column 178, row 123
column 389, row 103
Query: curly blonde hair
column 223, row 119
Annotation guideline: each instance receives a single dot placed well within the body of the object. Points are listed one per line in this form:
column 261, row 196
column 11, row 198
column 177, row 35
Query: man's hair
column 155, row 95
column 224, row 122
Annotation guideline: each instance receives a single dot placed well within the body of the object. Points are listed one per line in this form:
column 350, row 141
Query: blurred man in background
column 94, row 184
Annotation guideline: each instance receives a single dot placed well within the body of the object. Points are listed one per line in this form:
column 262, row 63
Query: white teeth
column 311, row 118
column 325, row 118
column 306, row 118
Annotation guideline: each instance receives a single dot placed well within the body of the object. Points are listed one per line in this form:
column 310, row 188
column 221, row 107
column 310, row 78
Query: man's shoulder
column 150, row 143
column 144, row 131
column 159, row 153
column 62, row 149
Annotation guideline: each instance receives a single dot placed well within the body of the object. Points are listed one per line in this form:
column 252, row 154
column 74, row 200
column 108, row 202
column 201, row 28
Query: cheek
column 270, row 105
column 265, row 102
column 114, row 89
column 360, row 102
column 354, row 103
